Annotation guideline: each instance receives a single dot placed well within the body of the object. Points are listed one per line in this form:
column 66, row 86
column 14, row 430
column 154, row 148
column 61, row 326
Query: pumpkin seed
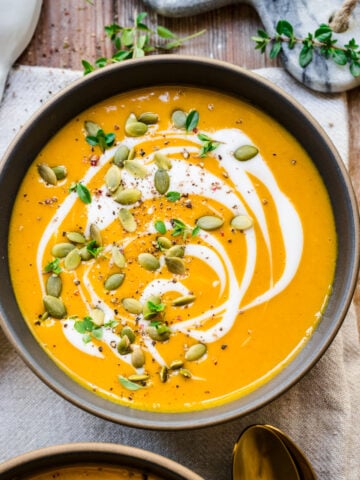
column 91, row 128
column 128, row 196
column 132, row 305
column 162, row 161
column 158, row 335
column 161, row 181
column 135, row 128
column 85, row 254
column 178, row 118
column 138, row 357
column 176, row 364
column 147, row 312
column 164, row 374
column 195, row 352
column 95, row 234
column 138, row 377
column 60, row 250
column 127, row 220
column 54, row 306
column 184, row 300
column 54, row 286
column 132, row 153
column 60, row 172
column 245, row 152
column 135, row 168
column 124, row 346
column 149, row 118
column 47, row 174
column 148, row 261
column 121, row 154
column 117, row 257
column 113, row 178
column 209, row 222
column 184, row 372
column 75, row 237
column 114, row 281
column 72, row 260
column 97, row 316
column 176, row 251
column 164, row 242
column 129, row 333
column 242, row 222
column 175, row 265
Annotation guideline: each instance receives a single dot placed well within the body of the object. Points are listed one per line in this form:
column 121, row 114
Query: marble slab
column 305, row 15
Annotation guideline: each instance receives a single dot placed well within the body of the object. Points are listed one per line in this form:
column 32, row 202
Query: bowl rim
column 213, row 415
column 78, row 453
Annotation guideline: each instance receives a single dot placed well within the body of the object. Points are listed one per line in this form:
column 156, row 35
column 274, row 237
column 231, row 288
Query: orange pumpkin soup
column 91, row 472
column 172, row 248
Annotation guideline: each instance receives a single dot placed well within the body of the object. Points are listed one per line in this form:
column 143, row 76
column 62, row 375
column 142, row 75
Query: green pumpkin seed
column 75, row 237
column 60, row 172
column 97, row 316
column 148, row 261
column 162, row 161
column 60, row 250
column 113, row 178
column 72, row 260
column 117, row 257
column 138, row 377
column 47, row 174
column 124, row 346
column 176, row 251
column 209, row 222
column 129, row 332
column 242, row 222
column 158, row 336
column 127, row 220
column 85, row 254
column 164, row 243
column 149, row 118
column 164, row 374
column 121, row 154
column 176, row 364
column 135, row 129
column 54, row 306
column 245, row 152
column 135, row 168
column 132, row 305
column 114, row 281
column 132, row 154
column 95, row 235
column 178, row 118
column 175, row 265
column 138, row 357
column 195, row 352
column 91, row 128
column 128, row 196
column 185, row 300
column 161, row 181
column 148, row 314
column 54, row 286
column 184, row 372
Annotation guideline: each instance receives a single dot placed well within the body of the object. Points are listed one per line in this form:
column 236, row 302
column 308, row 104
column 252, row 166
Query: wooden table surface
column 70, row 30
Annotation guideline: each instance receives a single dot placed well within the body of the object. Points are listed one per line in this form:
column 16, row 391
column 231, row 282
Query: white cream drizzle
column 185, row 177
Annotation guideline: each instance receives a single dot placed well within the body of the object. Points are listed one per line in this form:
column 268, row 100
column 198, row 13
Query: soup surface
column 91, row 472
column 172, row 248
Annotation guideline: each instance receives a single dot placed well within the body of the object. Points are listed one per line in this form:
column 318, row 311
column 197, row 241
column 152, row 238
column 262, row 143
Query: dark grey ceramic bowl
column 77, row 454
column 211, row 75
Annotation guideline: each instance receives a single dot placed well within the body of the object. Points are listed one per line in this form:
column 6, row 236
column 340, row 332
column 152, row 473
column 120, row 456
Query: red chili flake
column 195, row 130
column 94, row 159
column 222, row 233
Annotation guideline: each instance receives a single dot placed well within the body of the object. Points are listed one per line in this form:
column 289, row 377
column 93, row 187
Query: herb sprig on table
column 321, row 41
column 136, row 42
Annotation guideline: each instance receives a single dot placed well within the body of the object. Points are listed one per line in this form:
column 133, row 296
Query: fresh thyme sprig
column 322, row 41
column 136, row 42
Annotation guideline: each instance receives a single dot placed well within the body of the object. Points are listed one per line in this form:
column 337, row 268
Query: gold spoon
column 265, row 453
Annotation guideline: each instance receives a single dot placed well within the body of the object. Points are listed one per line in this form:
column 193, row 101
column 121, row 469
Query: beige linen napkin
column 319, row 413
